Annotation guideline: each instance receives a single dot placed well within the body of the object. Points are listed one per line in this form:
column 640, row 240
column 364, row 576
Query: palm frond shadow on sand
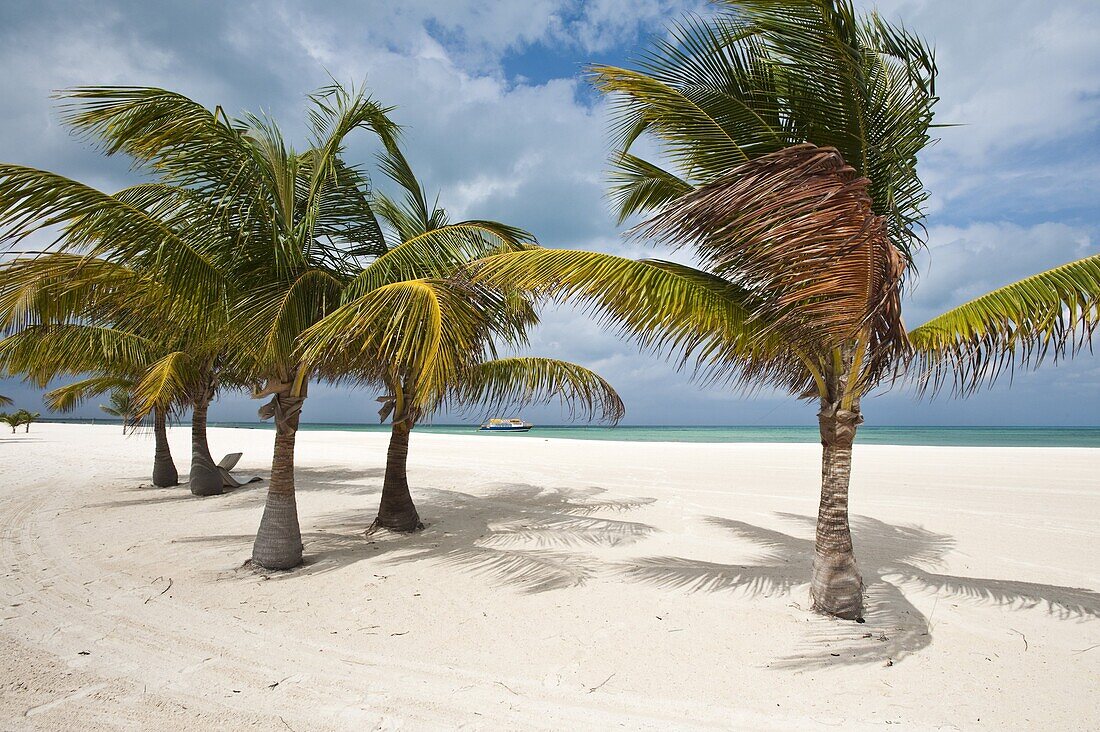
column 532, row 538
column 890, row 559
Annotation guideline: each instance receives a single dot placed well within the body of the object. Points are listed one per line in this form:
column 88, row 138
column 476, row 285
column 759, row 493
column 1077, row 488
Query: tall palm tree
column 413, row 325
column 793, row 128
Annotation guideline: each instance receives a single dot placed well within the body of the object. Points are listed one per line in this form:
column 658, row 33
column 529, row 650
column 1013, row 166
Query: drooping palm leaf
column 1053, row 313
column 42, row 353
column 437, row 253
column 521, row 381
column 663, row 306
column 69, row 397
column 170, row 380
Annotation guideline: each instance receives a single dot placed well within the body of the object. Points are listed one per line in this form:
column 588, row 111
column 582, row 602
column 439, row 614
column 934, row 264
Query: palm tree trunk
column 396, row 511
column 205, row 479
column 164, row 468
column 278, row 542
column 836, row 586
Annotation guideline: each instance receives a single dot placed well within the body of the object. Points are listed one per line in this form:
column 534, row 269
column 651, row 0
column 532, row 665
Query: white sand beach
column 559, row 585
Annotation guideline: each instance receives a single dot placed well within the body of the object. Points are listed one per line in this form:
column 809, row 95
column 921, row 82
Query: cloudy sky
column 500, row 122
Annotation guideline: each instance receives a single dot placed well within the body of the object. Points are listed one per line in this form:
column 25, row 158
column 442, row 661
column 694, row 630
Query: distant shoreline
column 931, row 436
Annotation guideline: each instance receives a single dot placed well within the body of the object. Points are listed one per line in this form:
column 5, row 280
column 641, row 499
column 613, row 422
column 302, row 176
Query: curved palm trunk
column 278, row 542
column 205, row 479
column 836, row 586
column 396, row 511
column 164, row 468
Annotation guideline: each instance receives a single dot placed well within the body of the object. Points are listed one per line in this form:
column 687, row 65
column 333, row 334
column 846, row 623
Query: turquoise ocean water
column 868, row 435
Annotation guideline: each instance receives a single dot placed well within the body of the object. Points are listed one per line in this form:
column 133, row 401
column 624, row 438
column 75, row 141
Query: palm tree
column 124, row 406
column 265, row 233
column 412, row 324
column 794, row 128
column 27, row 418
column 10, row 420
column 73, row 315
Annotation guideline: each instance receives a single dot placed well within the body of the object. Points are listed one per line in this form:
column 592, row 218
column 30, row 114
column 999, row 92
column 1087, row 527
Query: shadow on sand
column 535, row 539
column 520, row 535
column 539, row 539
column 890, row 558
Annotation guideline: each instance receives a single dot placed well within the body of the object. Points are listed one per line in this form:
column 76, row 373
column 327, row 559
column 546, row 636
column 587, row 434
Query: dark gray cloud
column 1013, row 189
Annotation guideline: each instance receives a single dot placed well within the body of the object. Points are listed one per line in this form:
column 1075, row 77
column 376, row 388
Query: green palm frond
column 169, row 381
column 638, row 186
column 413, row 216
column 416, row 335
column 42, row 353
column 1052, row 313
column 438, row 253
column 663, row 306
column 60, row 287
column 525, row 380
column 5, row 401
column 346, row 225
column 277, row 313
column 100, row 225
column 69, row 397
column 180, row 139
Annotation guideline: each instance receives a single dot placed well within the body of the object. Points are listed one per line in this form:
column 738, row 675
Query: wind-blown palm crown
column 763, row 75
column 795, row 230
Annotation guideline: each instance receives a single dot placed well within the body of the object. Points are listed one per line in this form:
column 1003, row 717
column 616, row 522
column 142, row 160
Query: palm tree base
column 165, row 474
column 279, row 539
column 836, row 587
column 405, row 523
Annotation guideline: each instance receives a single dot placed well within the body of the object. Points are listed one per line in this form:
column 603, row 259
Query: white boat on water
column 506, row 425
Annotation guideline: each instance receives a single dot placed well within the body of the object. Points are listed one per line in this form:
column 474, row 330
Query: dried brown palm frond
column 796, row 228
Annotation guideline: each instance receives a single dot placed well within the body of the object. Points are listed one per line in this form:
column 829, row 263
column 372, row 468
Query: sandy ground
column 559, row 585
